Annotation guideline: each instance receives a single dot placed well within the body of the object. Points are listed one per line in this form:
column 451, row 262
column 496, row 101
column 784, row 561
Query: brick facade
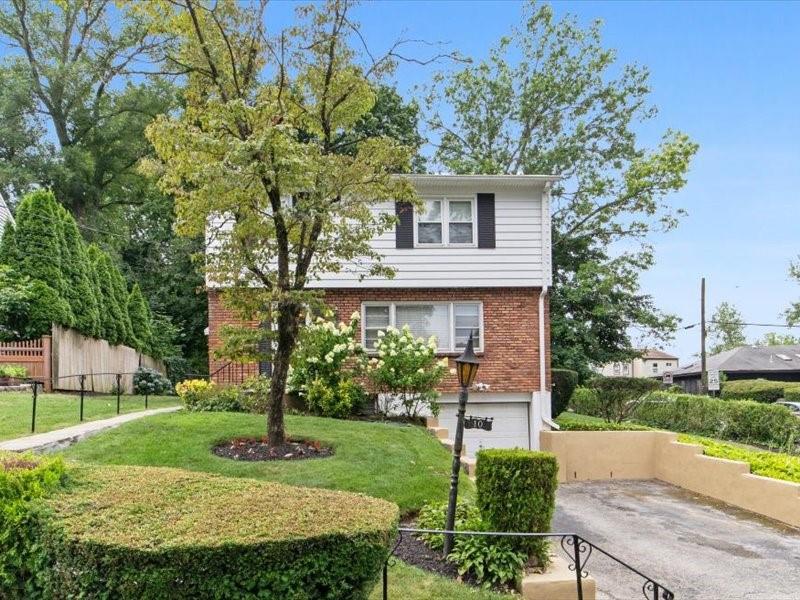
column 510, row 322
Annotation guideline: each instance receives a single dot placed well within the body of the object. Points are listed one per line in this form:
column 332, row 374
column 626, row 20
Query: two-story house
column 475, row 259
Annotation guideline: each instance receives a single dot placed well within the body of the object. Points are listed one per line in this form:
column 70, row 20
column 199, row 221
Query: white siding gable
column 521, row 257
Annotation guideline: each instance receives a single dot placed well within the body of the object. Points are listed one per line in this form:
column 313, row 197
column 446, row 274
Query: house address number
column 484, row 423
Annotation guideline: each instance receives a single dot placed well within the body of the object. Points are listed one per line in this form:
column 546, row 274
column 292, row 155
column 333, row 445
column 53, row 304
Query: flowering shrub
column 324, row 366
column 192, row 387
column 148, row 382
column 406, row 370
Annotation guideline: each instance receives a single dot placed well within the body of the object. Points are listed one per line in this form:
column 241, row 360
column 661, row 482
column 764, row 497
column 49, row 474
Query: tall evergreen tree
column 140, row 320
column 8, row 246
column 39, row 242
column 120, row 290
column 111, row 318
column 75, row 269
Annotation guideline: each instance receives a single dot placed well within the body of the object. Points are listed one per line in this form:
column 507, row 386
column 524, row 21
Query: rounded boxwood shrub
column 564, row 383
column 149, row 382
column 517, row 492
column 148, row 533
column 24, row 479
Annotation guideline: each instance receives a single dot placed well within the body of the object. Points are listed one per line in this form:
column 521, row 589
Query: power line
column 744, row 324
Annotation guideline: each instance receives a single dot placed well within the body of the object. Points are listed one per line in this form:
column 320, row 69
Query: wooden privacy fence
column 34, row 355
column 56, row 361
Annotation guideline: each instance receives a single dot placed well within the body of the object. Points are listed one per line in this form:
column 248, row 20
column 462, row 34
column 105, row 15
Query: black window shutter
column 486, row 228
column 404, row 231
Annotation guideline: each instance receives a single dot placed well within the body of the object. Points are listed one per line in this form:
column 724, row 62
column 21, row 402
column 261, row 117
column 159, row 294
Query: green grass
column 762, row 462
column 403, row 464
column 410, row 583
column 54, row 411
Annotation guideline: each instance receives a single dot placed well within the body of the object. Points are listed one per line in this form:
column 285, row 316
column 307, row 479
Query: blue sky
column 728, row 74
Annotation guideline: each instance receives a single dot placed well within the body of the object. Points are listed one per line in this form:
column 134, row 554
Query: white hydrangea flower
column 381, row 333
column 355, row 316
column 421, row 371
column 444, row 362
column 406, row 328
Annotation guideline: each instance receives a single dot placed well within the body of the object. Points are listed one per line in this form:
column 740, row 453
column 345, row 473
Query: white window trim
column 446, row 223
column 450, row 313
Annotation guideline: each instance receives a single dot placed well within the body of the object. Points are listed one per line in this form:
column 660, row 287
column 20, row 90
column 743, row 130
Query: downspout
column 546, row 410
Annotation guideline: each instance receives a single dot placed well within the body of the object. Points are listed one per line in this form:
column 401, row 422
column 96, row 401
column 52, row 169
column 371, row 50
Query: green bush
column 766, row 464
column 325, row 366
column 147, row 381
column 255, row 394
column 757, row 390
column 618, row 397
column 564, row 383
column 585, row 401
column 492, row 561
column 792, row 394
column 572, row 422
column 151, row 533
column 13, row 371
column 434, row 515
column 338, row 402
column 200, row 395
column 745, row 421
column 24, row 478
column 517, row 492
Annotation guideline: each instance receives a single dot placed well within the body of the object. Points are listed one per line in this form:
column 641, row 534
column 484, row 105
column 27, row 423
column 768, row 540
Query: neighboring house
column 651, row 363
column 777, row 363
column 5, row 214
column 476, row 259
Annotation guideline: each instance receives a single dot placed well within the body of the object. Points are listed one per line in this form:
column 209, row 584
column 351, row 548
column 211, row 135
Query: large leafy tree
column 726, row 329
column 77, row 90
column 551, row 99
column 257, row 161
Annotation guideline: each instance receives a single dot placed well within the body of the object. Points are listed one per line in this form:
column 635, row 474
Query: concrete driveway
column 698, row 548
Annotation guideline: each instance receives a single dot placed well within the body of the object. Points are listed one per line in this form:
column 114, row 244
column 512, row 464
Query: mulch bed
column 257, row 449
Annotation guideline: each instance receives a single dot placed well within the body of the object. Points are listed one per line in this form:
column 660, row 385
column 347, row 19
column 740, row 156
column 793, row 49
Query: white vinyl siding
column 449, row 322
column 516, row 261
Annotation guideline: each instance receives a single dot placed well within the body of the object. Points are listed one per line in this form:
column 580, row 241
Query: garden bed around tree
column 258, row 449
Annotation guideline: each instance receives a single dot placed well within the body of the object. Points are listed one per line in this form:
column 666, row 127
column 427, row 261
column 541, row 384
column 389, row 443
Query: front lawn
column 404, row 464
column 410, row 583
column 54, row 411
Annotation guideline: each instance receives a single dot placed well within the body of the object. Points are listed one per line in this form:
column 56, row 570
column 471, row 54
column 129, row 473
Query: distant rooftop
column 657, row 354
column 749, row 359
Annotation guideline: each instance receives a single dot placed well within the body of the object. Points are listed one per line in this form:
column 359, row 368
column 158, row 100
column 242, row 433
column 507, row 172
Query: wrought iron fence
column 577, row 549
column 36, row 385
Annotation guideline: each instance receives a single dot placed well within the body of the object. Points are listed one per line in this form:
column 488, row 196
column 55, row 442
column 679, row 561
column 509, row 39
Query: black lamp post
column 467, row 368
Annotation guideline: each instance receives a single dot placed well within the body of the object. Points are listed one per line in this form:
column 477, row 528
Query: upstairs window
column 446, row 222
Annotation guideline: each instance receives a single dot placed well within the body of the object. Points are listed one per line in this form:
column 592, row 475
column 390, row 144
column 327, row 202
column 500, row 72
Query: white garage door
column 509, row 428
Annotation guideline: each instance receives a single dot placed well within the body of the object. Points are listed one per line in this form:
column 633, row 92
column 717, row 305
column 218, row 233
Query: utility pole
column 703, row 374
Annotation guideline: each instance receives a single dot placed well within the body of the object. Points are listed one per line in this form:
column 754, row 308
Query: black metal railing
column 233, row 373
column 577, row 549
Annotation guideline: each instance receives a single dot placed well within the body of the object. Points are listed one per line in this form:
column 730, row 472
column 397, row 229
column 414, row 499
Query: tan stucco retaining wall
column 602, row 455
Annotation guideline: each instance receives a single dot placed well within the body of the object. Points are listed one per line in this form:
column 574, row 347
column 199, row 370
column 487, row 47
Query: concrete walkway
column 61, row 438
column 699, row 548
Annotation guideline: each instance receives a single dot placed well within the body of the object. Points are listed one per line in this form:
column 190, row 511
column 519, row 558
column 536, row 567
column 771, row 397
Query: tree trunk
column 287, row 339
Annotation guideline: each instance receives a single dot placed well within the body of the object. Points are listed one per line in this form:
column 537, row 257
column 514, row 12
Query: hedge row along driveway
column 402, row 464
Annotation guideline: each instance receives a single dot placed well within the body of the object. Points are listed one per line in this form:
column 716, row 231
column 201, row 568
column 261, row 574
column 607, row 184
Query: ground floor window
column 449, row 322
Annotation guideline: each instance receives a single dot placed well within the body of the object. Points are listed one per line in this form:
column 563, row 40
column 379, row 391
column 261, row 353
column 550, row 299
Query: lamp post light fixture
column 467, row 368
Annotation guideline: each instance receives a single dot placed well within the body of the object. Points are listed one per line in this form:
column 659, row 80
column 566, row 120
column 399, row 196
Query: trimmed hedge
column 745, row 421
column 148, row 533
column 517, row 492
column 792, row 394
column 24, row 478
column 586, row 401
column 564, row 383
column 766, row 464
column 757, row 390
column 572, row 422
